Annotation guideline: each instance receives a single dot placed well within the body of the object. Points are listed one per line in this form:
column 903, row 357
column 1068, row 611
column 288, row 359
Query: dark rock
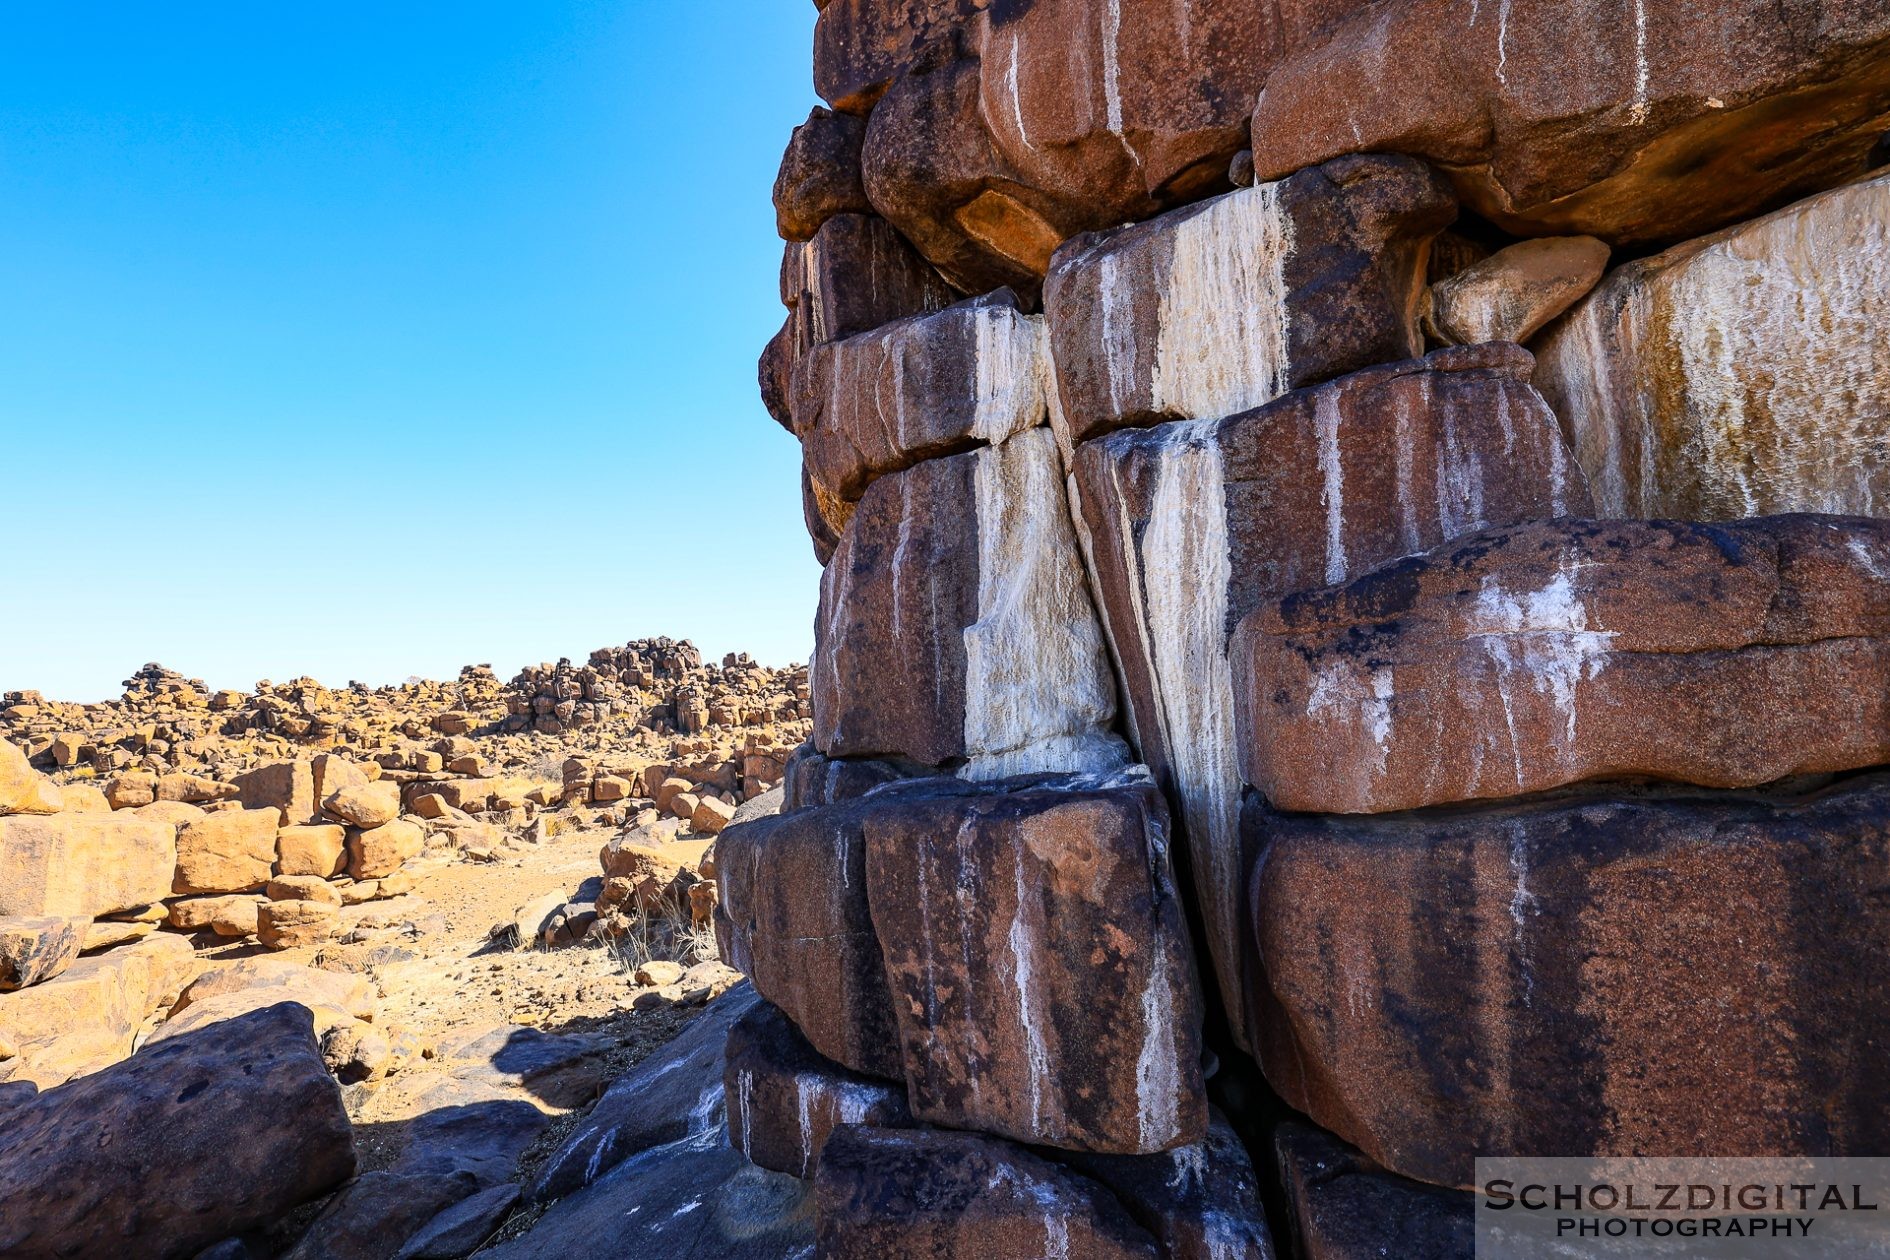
column 375, row 1214
column 1344, row 1207
column 820, row 175
column 1201, row 1201
column 862, row 45
column 812, row 778
column 37, row 948
column 460, row 1229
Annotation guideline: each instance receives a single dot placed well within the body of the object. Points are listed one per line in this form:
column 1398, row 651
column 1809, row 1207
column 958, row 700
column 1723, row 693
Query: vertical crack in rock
column 1223, row 322
column 1039, row 694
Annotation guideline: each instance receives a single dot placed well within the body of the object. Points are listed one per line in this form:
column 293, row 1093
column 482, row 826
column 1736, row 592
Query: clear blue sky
column 367, row 340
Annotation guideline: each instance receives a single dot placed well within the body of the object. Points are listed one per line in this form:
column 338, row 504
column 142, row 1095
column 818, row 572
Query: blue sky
column 368, row 340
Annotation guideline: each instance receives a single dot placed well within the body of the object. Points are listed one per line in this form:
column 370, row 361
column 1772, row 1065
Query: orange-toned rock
column 364, row 804
column 319, row 850
column 231, row 915
column 377, row 851
column 289, row 924
column 228, row 851
column 84, row 865
column 33, row 949
column 285, row 785
column 83, row 798
column 24, row 790
column 84, row 1018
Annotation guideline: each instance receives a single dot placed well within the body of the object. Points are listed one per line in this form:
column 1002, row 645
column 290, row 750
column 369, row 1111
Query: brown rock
column 302, row 888
column 1190, row 527
column 175, row 814
column 1671, row 121
column 811, row 778
column 784, row 1099
column 651, row 878
column 226, row 916
column 862, row 45
column 1523, row 659
column 85, row 1018
column 281, row 980
column 1222, row 306
column 289, row 924
column 903, row 1192
column 131, row 790
column 854, row 275
column 820, row 175
column 1740, row 374
column 192, row 789
column 955, row 623
column 36, row 949
column 109, row 933
column 825, row 514
column 1511, row 294
column 228, row 851
column 192, row 1141
column 24, row 790
column 1344, row 1207
column 318, row 850
column 1201, row 1201
column 365, row 804
column 917, row 388
column 710, row 816
column 377, row 852
column 83, row 865
column 1674, row 975
column 285, row 785
column 1041, row 972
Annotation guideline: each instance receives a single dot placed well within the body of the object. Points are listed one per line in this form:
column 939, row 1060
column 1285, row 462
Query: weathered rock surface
column 232, row 850
column 23, row 790
column 674, row 1094
column 285, row 785
column 820, row 175
column 862, row 45
column 318, row 850
column 1200, row 1202
column 1344, row 1207
column 37, row 948
column 376, row 852
column 1042, row 977
column 784, row 1100
column 917, row 388
column 896, row 1192
column 812, row 778
column 1190, row 527
column 1738, row 375
column 955, row 623
column 184, row 1144
column 1669, row 121
column 1523, row 659
column 83, row 865
column 1222, row 306
column 1680, row 975
column 1511, row 294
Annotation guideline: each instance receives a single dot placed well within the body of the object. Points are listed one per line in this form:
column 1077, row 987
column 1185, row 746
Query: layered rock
column 1225, row 305
column 928, row 385
column 88, row 1016
column 784, row 1100
column 1740, row 374
column 85, row 864
column 811, row 778
column 1042, row 978
column 232, row 850
column 955, row 625
column 892, row 1192
column 190, row 1142
column 36, row 948
column 1664, row 121
column 1524, row 659
column 1675, row 975
column 1190, row 527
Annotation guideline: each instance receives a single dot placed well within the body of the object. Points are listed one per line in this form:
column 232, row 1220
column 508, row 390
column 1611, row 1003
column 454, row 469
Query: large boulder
column 1674, row 975
column 1190, row 527
column 37, row 948
column 917, row 388
column 784, row 1100
column 185, row 1144
column 1663, row 121
column 1519, row 660
column 812, row 778
column 820, row 175
column 1042, row 976
column 955, row 623
column 862, row 45
column 1344, row 1207
column 1221, row 306
column 231, row 850
column 88, row 1016
column 1737, row 375
column 24, row 790
column 902, row 1192
column 285, row 785
column 83, row 865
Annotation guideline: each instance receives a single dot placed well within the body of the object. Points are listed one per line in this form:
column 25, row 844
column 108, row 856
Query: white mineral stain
column 1036, row 1048
column 1009, row 395
column 1542, row 639
column 1332, row 471
column 1223, row 337
column 1639, row 111
column 1157, row 1072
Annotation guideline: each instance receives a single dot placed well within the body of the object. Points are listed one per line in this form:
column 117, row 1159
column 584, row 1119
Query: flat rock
column 182, row 1145
column 460, row 1229
column 85, row 1018
column 1224, row 305
column 1042, row 976
column 229, row 851
column 1344, row 1207
column 785, row 1100
column 1190, row 527
column 1671, row 120
column 675, row 1093
column 812, row 778
column 955, row 623
column 83, row 865
column 1740, row 374
column 1681, row 974
column 936, row 384
column 37, row 949
column 1519, row 660
column 902, row 1192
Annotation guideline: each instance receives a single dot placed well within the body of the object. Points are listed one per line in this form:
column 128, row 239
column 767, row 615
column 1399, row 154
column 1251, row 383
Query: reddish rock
column 1523, row 659
column 955, row 623
column 1193, row 526
column 784, row 1099
column 1201, row 1201
column 793, row 917
column 918, row 388
column 1225, row 305
column 820, row 175
column 1666, row 120
column 1684, row 974
column 854, row 275
column 1344, row 1207
column 1513, row 293
column 186, row 1143
column 825, row 514
column 1041, row 972
column 1740, row 374
column 862, row 45
column 898, row 1192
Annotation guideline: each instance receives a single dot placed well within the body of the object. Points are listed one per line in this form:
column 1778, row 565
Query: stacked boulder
column 1287, row 603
